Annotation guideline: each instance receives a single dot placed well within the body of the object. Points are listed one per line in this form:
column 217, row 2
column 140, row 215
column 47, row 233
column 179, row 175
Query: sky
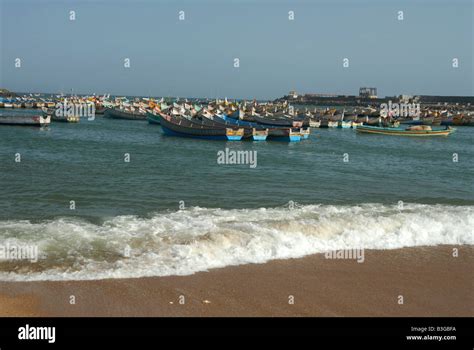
column 195, row 57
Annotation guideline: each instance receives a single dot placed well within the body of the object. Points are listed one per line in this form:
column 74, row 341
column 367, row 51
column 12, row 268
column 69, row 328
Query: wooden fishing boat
column 122, row 114
column 373, row 121
column 273, row 121
column 410, row 121
column 16, row 105
column 304, row 132
column 240, row 123
column 284, row 134
column 51, row 112
column 324, row 123
column 458, row 120
column 152, row 118
column 332, row 124
column 179, row 126
column 29, row 105
column 234, row 114
column 100, row 110
column 355, row 124
column 259, row 134
column 234, row 134
column 314, row 123
column 344, row 124
column 277, row 133
column 417, row 130
column 25, row 120
column 65, row 118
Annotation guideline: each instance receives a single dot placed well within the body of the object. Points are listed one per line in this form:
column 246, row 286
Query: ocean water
column 174, row 210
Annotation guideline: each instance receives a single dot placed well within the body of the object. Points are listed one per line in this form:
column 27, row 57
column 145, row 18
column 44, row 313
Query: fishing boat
column 416, row 130
column 8, row 105
column 304, row 132
column 345, row 124
column 332, row 124
column 234, row 134
column 355, row 124
column 179, row 126
column 65, row 118
column 372, row 121
column 284, row 134
column 25, row 120
column 259, row 135
column 152, row 118
column 314, row 123
column 273, row 121
column 100, row 110
column 123, row 114
column 57, row 117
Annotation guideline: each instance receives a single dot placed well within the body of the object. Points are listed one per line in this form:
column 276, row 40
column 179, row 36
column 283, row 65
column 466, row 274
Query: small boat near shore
column 25, row 120
column 417, row 131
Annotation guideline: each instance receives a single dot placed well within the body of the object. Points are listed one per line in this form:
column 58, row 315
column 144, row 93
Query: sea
column 110, row 198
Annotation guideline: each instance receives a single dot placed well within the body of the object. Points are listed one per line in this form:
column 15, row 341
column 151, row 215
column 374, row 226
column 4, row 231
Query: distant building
column 368, row 92
column 293, row 94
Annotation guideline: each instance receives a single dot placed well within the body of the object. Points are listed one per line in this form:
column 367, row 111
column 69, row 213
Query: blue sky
column 195, row 57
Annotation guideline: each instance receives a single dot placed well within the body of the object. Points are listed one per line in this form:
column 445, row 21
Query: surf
column 198, row 239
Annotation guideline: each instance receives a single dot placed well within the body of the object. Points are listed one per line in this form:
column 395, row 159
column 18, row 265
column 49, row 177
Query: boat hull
column 117, row 114
column 26, row 120
column 403, row 132
column 259, row 135
column 170, row 132
column 153, row 118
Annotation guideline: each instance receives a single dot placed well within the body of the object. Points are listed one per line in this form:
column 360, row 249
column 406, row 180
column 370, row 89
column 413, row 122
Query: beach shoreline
column 430, row 280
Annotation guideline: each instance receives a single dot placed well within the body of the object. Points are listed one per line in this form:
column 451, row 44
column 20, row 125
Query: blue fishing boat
column 234, row 134
column 284, row 134
column 305, row 133
column 259, row 135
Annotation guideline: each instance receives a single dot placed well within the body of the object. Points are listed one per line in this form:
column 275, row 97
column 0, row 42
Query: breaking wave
column 198, row 239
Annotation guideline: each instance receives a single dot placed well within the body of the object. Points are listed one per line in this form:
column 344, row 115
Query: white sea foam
column 199, row 239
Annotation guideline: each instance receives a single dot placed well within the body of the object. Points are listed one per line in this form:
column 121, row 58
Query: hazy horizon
column 194, row 57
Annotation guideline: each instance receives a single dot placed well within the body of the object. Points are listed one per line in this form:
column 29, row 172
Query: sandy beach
column 431, row 281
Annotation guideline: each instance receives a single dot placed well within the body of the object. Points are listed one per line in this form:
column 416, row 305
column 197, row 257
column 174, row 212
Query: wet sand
column 431, row 281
